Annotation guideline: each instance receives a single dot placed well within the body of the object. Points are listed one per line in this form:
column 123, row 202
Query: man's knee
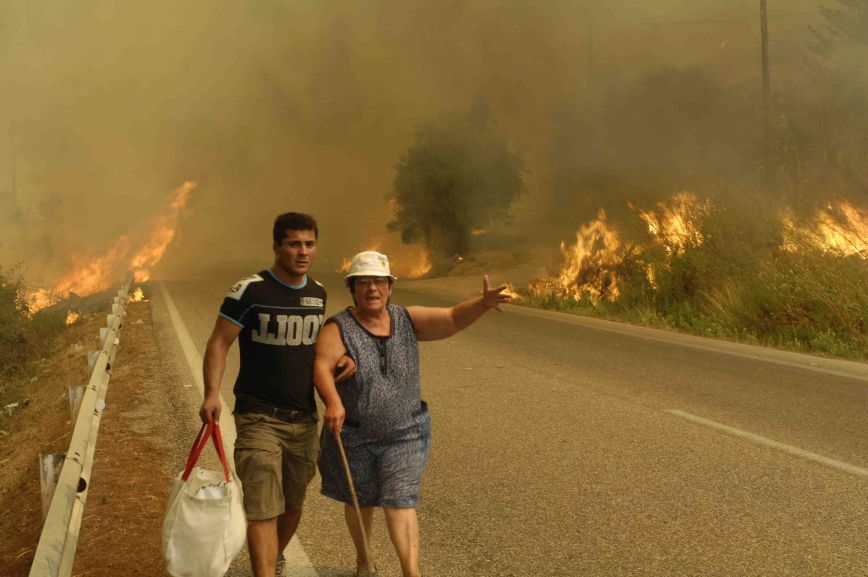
column 262, row 533
column 261, row 525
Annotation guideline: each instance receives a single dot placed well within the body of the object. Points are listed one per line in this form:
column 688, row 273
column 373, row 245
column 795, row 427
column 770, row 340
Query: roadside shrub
column 821, row 297
column 24, row 336
column 15, row 324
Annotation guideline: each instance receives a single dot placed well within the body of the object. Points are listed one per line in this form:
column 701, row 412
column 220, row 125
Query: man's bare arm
column 214, row 365
column 329, row 350
column 439, row 323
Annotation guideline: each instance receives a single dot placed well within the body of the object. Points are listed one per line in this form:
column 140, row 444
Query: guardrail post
column 49, row 471
column 92, row 356
column 76, row 392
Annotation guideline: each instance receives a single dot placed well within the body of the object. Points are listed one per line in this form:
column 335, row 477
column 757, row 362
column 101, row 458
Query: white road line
column 297, row 562
column 852, row 469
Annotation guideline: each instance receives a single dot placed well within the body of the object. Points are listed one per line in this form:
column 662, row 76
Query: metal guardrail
column 55, row 552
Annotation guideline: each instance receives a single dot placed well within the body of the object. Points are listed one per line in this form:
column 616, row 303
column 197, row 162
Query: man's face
column 295, row 252
column 371, row 293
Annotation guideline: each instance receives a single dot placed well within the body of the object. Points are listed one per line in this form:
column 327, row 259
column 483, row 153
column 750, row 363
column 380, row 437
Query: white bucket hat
column 370, row 263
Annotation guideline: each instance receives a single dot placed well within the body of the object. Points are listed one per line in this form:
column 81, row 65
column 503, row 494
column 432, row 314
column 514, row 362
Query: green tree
column 457, row 176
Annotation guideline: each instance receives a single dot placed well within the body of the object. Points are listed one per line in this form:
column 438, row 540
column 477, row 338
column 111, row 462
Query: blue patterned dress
column 387, row 431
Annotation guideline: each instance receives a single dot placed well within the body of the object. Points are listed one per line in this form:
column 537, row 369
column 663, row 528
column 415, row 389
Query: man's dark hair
column 293, row 221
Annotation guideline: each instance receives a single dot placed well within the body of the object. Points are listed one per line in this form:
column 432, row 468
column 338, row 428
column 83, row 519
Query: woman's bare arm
column 434, row 323
column 329, row 350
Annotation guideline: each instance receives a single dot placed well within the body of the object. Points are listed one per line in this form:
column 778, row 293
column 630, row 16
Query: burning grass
column 138, row 252
column 724, row 271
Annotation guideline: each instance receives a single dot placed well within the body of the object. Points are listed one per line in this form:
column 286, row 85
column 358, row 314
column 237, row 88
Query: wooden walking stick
column 369, row 561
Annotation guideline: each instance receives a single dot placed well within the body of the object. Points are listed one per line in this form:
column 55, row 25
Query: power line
column 634, row 24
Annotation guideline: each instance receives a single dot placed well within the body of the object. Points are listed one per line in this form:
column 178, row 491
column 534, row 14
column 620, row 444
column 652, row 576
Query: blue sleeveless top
column 382, row 399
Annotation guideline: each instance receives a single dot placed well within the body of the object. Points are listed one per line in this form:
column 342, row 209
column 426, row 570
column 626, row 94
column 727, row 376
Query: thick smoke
column 274, row 106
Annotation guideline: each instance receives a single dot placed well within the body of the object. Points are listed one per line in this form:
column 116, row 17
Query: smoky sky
column 277, row 105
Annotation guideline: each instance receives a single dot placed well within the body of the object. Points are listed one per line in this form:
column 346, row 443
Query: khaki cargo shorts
column 275, row 461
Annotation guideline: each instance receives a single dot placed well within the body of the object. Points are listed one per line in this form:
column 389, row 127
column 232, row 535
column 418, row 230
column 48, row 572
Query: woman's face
column 371, row 293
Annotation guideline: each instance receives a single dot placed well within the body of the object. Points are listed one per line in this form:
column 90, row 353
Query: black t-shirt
column 279, row 325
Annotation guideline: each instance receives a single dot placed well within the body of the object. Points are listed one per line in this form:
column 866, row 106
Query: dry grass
column 120, row 533
column 41, row 426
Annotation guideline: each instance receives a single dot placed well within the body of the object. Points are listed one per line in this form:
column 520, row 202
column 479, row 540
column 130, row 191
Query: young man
column 277, row 313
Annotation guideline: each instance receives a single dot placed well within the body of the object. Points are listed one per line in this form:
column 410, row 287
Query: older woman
column 383, row 423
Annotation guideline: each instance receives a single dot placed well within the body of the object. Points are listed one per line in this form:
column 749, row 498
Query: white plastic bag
column 205, row 524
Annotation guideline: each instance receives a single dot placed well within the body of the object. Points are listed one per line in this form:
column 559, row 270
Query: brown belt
column 254, row 405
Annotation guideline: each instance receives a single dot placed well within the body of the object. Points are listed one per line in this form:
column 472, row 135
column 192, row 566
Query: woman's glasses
column 365, row 281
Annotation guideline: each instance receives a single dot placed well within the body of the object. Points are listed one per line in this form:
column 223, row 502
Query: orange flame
column 421, row 263
column 843, row 228
column 674, row 223
column 161, row 233
column 590, row 265
column 72, row 317
column 512, row 293
column 139, row 256
column 588, row 268
column 37, row 299
column 95, row 275
column 137, row 296
column 839, row 228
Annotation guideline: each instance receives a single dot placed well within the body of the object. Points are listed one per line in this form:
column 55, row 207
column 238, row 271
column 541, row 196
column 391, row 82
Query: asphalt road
column 566, row 446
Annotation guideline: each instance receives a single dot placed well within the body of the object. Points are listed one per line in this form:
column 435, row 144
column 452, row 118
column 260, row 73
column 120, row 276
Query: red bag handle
column 209, row 430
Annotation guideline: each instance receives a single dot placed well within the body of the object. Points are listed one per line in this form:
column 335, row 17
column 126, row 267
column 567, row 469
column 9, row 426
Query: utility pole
column 14, row 163
column 767, row 147
column 590, row 65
